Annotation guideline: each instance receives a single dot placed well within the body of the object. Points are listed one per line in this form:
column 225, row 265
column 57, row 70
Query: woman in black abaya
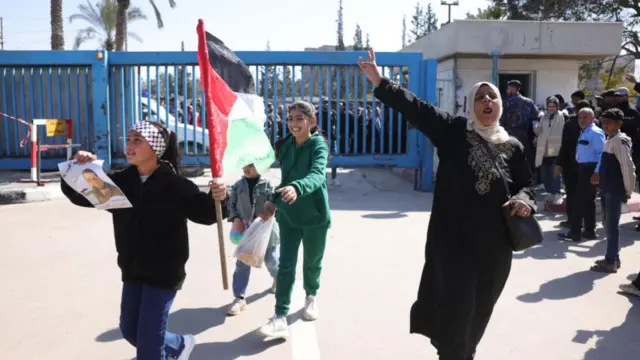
column 468, row 255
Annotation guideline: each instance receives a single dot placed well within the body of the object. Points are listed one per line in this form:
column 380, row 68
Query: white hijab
column 493, row 133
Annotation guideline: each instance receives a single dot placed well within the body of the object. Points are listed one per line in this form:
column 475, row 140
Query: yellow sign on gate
column 56, row 127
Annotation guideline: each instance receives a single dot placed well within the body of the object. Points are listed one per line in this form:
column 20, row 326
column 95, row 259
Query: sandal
column 604, row 267
column 604, row 262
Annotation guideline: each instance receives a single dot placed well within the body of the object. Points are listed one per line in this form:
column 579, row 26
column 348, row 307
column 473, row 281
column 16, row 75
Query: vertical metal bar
column 338, row 113
column 312, row 77
column 329, row 124
column 176, row 104
column 400, row 124
column 79, row 129
column 274, row 102
column 38, row 157
column 302, row 83
column 205, row 140
column 284, row 99
column 23, row 89
column 157, row 76
column 89, row 119
column 185, row 111
column 375, row 140
column 31, row 94
column 16, row 144
column 365, row 118
column 139, row 94
column 59, row 139
column 347, row 124
column 40, row 108
column 3, row 79
column 68, row 112
column 387, row 124
column 123, row 110
column 112, row 95
column 320, row 109
column 356, row 97
column 194, row 109
column 166, row 94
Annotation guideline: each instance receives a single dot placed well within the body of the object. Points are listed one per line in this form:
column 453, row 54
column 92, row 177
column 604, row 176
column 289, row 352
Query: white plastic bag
column 254, row 242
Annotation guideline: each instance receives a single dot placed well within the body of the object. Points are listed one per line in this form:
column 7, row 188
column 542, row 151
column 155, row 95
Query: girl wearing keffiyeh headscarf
column 151, row 237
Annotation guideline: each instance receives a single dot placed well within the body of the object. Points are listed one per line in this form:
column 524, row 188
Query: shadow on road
column 246, row 345
column 568, row 287
column 188, row 321
column 553, row 248
column 620, row 342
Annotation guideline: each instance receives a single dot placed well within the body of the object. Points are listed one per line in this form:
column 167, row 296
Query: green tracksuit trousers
column 314, row 240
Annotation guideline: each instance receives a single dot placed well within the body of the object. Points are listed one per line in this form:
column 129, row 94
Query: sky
column 242, row 24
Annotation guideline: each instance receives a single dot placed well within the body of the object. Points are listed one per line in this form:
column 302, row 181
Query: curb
column 29, row 195
column 407, row 174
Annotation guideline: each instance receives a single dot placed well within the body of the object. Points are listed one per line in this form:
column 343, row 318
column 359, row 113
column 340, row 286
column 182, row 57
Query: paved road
column 61, row 289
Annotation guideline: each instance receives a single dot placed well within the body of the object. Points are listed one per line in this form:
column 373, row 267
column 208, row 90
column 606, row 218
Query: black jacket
column 631, row 127
column 151, row 237
column 567, row 155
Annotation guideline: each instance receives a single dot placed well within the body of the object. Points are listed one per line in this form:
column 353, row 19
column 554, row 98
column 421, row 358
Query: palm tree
column 57, row 25
column 121, row 24
column 102, row 23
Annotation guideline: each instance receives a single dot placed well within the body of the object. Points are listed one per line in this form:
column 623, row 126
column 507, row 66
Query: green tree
column 417, row 23
column 357, row 39
column 101, row 23
column 340, row 45
column 367, row 43
column 491, row 12
column 430, row 22
column 121, row 21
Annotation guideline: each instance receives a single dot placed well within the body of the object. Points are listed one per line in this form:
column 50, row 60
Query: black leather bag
column 524, row 232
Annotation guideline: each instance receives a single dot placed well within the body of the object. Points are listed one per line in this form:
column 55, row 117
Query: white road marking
column 304, row 340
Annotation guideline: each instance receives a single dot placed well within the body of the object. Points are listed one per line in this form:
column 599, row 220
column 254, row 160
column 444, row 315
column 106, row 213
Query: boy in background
column 246, row 202
column 617, row 179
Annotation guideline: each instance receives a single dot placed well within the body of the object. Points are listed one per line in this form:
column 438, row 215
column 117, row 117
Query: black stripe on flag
column 230, row 68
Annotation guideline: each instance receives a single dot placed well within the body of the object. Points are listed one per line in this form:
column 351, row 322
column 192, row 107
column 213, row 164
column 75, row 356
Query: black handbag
column 523, row 232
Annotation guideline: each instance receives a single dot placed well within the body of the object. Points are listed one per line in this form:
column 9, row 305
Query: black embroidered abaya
column 468, row 256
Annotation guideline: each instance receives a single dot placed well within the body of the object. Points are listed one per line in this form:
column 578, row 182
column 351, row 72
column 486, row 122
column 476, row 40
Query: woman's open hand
column 370, row 68
column 84, row 157
column 519, row 208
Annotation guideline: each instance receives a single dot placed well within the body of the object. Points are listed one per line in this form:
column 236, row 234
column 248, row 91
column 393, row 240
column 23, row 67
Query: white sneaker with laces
column 237, row 306
column 277, row 327
column 189, row 344
column 310, row 312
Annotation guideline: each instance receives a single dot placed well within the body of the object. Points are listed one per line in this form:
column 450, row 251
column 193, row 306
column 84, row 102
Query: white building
column 544, row 56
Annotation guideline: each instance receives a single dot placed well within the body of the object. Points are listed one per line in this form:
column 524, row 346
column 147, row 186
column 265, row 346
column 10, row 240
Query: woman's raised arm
column 430, row 120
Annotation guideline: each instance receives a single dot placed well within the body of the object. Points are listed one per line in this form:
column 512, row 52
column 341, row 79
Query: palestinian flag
column 235, row 115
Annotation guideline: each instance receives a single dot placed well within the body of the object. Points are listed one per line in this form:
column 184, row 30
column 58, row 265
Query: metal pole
column 449, row 22
column 495, row 69
column 39, row 164
column 1, row 34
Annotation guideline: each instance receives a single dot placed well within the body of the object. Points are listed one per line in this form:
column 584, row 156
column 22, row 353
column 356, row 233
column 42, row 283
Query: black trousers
column 584, row 207
column 570, row 179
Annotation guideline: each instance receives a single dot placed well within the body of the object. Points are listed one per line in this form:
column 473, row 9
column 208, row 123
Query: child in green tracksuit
column 303, row 213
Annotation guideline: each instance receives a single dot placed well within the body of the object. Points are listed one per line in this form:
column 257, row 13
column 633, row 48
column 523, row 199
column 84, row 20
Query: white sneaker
column 557, row 199
column 237, row 306
column 189, row 344
column 277, row 327
column 310, row 312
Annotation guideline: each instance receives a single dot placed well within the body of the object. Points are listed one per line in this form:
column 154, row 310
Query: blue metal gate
column 105, row 93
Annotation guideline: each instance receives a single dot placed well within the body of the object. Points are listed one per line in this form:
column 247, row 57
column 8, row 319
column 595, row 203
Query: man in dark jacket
column 517, row 118
column 566, row 163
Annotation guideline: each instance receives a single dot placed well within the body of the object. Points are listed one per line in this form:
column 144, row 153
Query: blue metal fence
column 105, row 93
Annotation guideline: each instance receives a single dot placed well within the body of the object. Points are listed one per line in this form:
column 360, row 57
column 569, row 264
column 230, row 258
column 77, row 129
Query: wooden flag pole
column 223, row 255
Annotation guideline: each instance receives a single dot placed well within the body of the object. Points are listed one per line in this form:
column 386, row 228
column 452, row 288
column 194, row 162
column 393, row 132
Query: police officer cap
column 608, row 93
column 621, row 91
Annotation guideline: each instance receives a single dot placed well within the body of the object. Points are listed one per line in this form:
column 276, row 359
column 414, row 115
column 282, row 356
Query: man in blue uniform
column 518, row 115
column 588, row 155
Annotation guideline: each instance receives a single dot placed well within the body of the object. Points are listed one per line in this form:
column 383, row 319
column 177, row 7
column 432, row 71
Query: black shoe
column 589, row 235
column 565, row 224
column 636, row 218
column 569, row 236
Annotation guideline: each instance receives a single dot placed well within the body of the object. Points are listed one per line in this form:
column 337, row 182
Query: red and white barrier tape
column 26, row 138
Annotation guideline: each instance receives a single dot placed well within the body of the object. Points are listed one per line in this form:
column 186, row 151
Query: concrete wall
column 548, row 76
column 533, row 38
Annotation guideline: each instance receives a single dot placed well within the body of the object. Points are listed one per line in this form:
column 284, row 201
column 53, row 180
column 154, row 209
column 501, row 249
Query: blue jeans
column 552, row 183
column 242, row 272
column 611, row 211
column 144, row 315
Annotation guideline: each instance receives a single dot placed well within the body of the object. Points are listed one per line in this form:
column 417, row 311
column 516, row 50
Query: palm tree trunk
column 57, row 25
column 121, row 23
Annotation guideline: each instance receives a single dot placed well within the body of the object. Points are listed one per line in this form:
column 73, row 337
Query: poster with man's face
column 92, row 182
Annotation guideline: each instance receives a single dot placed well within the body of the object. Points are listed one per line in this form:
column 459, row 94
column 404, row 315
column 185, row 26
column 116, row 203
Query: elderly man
column 588, row 154
column 517, row 118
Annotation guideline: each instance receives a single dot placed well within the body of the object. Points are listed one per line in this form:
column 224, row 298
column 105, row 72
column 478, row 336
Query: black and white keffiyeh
column 153, row 136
